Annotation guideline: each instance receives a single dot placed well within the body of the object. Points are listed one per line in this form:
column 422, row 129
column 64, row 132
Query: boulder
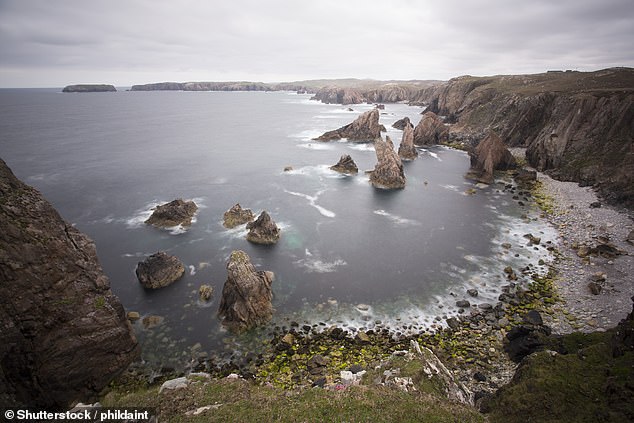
column 345, row 165
column 177, row 212
column 490, row 155
column 407, row 150
column 365, row 128
column 526, row 339
column 246, row 295
column 388, row 172
column 64, row 334
column 263, row 230
column 205, row 292
column 236, row 216
column 159, row 270
column 431, row 130
column 402, row 123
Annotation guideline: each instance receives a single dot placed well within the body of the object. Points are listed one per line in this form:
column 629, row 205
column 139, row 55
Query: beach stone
column 363, row 337
column 595, row 288
column 533, row 318
column 173, row 384
column 472, row 292
column 463, row 304
column 453, row 323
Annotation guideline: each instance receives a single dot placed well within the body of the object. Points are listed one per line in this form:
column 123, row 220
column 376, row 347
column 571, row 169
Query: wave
column 400, row 221
column 314, row 264
column 362, row 146
column 312, row 200
column 316, row 170
column 317, row 145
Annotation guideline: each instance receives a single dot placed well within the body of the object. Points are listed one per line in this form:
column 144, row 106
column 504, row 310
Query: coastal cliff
column 64, row 333
column 577, row 126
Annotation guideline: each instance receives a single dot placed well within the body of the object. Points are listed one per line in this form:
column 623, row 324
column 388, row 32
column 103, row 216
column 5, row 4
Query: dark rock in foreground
column 64, row 334
column 159, row 270
column 431, row 130
column 177, row 212
column 236, row 216
column 89, row 88
column 365, row 128
column 388, row 172
column 246, row 295
column 490, row 155
column 345, row 165
column 407, row 150
column 263, row 230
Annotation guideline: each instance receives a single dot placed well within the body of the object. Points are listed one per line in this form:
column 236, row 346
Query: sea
column 350, row 255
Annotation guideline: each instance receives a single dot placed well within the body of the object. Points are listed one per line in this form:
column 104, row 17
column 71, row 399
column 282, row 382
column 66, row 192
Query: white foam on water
column 397, row 220
column 317, row 145
column 308, row 134
column 361, row 146
column 312, row 200
column 454, row 188
column 317, row 170
column 316, row 265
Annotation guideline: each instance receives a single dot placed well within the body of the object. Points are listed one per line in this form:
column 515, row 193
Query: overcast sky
column 52, row 43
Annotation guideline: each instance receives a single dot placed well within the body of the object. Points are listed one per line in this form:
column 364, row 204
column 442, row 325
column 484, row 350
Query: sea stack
column 174, row 213
column 407, row 150
column 490, row 155
column 246, row 295
column 65, row 335
column 365, row 128
column 345, row 165
column 388, row 172
column 431, row 130
column 236, row 216
column 159, row 270
column 263, row 230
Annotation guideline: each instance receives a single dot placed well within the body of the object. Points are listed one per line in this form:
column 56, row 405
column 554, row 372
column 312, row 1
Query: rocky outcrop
column 365, row 128
column 246, row 295
column 65, row 335
column 334, row 95
column 490, row 155
column 431, row 130
column 402, row 123
column 159, row 270
column 345, row 165
column 388, row 172
column 236, row 216
column 407, row 150
column 263, row 230
column 174, row 213
column 576, row 126
column 89, row 88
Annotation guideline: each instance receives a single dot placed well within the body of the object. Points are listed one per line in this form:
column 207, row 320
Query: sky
column 53, row 43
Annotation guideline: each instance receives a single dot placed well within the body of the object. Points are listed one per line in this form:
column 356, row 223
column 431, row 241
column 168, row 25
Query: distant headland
column 89, row 88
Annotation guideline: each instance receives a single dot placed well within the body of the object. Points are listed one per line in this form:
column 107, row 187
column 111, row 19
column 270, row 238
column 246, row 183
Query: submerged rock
column 402, row 123
column 431, row 130
column 236, row 216
column 388, row 172
column 177, row 212
column 246, row 295
column 365, row 128
column 407, row 150
column 345, row 165
column 205, row 292
column 490, row 155
column 64, row 334
column 263, row 230
column 159, row 270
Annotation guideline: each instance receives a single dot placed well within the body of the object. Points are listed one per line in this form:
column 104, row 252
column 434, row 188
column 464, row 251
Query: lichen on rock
column 236, row 216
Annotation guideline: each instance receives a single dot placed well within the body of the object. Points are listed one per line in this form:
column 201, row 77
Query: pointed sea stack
column 246, row 295
column 177, row 212
column 263, row 230
column 236, row 216
column 346, row 165
column 388, row 172
column 431, row 130
column 490, row 155
column 365, row 128
column 159, row 270
column 407, row 150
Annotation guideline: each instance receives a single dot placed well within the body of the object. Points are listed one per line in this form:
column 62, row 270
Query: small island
column 89, row 88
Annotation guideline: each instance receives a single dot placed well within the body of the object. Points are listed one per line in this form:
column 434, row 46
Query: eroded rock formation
column 431, row 130
column 345, row 165
column 388, row 172
column 402, row 123
column 490, row 155
column 64, row 334
column 159, row 270
column 246, row 295
column 407, row 150
column 333, row 95
column 263, row 230
column 365, row 128
column 177, row 212
column 236, row 215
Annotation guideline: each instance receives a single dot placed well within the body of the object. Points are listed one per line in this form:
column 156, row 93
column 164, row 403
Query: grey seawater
column 349, row 255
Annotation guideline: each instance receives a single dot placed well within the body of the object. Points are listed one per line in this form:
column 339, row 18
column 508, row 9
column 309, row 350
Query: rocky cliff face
column 431, row 130
column 490, row 155
column 388, row 172
column 246, row 295
column 64, row 334
column 330, row 95
column 365, row 128
column 577, row 126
